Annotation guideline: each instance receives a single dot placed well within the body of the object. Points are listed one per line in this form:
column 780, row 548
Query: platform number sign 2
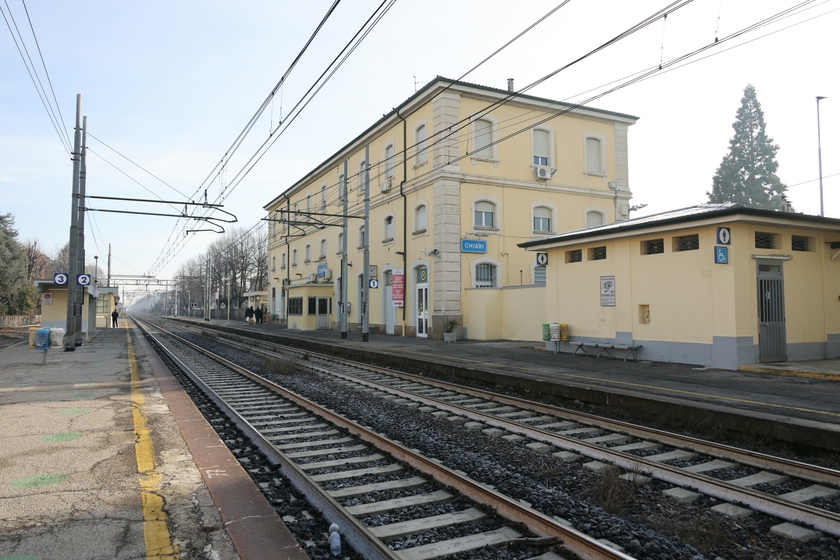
column 83, row 279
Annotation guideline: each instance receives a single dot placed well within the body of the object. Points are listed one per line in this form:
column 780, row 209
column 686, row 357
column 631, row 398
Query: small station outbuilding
column 716, row 284
column 97, row 305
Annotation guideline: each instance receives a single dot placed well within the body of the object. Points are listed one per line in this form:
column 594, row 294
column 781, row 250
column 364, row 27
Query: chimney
column 510, row 84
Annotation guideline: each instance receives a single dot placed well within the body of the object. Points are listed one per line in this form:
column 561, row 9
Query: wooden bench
column 605, row 347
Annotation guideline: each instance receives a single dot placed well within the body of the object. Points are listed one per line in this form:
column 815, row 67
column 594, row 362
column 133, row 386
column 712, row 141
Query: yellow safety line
column 641, row 386
column 159, row 545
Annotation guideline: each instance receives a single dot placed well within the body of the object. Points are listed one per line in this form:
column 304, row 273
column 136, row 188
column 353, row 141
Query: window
column 273, row 263
column 542, row 219
column 342, row 190
column 420, row 145
column 323, row 198
column 594, row 218
column 389, row 161
column 482, row 139
column 294, row 257
column 598, row 253
column 653, row 246
column 361, row 237
column 541, row 147
column 574, row 256
column 340, row 245
column 420, row 219
column 313, row 306
column 801, row 243
column 296, row 306
column 388, row 229
column 307, row 253
column 484, row 213
column 323, row 252
column 309, row 203
column 765, row 240
column 282, row 261
column 686, row 243
column 360, row 192
column 485, row 275
column 103, row 304
column 594, row 148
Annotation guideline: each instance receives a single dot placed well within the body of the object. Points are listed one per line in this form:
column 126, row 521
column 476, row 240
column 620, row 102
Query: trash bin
column 56, row 337
column 546, row 332
column 32, row 337
column 554, row 331
column 564, row 332
column 42, row 339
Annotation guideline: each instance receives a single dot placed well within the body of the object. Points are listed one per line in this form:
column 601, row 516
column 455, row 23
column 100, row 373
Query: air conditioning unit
column 313, row 277
column 286, row 281
column 386, row 186
column 327, row 274
column 542, row 172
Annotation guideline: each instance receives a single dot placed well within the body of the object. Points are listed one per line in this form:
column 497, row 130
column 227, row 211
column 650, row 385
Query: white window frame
column 388, row 227
column 420, row 155
column 389, row 159
column 360, row 193
column 496, row 214
column 361, row 237
column 602, row 155
column 552, row 217
column 324, row 197
column 474, row 264
column 294, row 257
column 323, row 253
column 489, row 153
column 307, row 253
column 592, row 210
column 418, row 227
column 282, row 261
column 550, row 131
column 340, row 243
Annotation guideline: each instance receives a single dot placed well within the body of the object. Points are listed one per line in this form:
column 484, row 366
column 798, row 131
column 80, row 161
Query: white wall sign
column 607, row 291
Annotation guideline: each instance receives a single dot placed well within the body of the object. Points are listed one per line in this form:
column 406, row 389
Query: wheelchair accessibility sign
column 721, row 255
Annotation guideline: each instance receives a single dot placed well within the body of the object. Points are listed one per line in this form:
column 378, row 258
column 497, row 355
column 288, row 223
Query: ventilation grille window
column 574, row 256
column 687, row 243
column 598, row 253
column 800, row 243
column 765, row 240
column 652, row 247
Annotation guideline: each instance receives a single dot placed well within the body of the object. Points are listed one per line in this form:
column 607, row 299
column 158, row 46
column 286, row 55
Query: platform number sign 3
column 60, row 278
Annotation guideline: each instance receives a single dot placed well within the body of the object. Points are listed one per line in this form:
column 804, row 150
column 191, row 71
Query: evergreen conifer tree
column 747, row 174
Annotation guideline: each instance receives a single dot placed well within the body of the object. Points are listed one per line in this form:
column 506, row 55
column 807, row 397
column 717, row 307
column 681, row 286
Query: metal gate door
column 322, row 319
column 772, row 342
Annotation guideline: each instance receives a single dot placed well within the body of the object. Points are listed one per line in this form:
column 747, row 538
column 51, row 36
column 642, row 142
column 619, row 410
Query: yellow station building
column 717, row 284
column 458, row 176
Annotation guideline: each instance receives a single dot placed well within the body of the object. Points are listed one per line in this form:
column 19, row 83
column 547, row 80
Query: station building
column 720, row 285
column 459, row 175
column 97, row 304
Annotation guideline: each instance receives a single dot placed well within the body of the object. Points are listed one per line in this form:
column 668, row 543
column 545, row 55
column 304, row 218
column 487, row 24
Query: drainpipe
column 405, row 214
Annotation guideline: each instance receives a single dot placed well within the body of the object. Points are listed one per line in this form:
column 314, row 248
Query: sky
column 167, row 88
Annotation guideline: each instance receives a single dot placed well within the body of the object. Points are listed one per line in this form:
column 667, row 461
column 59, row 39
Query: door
column 421, row 291
column 772, row 341
column 322, row 316
column 389, row 312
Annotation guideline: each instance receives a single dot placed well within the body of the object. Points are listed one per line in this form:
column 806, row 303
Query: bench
column 605, row 347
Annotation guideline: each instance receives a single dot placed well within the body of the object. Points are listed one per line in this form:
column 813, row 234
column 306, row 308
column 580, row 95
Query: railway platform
column 103, row 456
column 790, row 401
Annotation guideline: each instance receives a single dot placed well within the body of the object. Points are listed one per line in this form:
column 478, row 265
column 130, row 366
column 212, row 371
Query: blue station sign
column 473, row 246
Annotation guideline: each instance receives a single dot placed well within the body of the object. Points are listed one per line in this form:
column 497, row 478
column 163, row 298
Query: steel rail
column 541, row 524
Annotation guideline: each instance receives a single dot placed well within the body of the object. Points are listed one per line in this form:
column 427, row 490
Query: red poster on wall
column 398, row 287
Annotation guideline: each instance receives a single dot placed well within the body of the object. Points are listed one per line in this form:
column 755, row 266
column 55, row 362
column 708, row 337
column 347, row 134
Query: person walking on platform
column 114, row 316
column 249, row 312
column 258, row 314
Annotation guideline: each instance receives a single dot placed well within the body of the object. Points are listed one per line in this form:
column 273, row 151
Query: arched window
column 541, row 147
column 273, row 263
column 594, row 218
column 323, row 253
column 594, row 155
column 485, row 213
column 360, row 192
column 420, row 218
column 323, row 198
column 542, row 219
column 483, row 139
column 389, row 161
column 420, row 145
column 307, row 255
column 294, row 257
column 340, row 246
column 361, row 237
column 282, row 261
column 485, row 275
column 388, row 229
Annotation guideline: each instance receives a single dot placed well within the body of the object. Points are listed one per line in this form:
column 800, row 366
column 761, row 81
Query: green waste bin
column 546, row 332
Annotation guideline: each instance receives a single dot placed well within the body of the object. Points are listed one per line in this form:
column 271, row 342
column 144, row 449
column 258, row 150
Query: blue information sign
column 473, row 246
column 721, row 255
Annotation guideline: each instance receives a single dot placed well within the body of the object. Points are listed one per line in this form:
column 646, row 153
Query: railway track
column 750, row 480
column 333, row 460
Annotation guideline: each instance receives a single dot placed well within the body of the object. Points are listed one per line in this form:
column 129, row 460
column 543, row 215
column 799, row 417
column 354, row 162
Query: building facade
column 719, row 285
column 456, row 177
